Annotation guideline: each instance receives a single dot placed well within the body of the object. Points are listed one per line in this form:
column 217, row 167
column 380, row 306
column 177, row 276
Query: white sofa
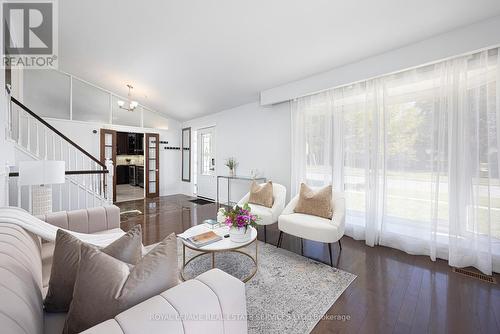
column 213, row 302
column 312, row 227
column 267, row 215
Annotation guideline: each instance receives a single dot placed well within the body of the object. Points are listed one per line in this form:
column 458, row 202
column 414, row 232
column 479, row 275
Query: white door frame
column 206, row 176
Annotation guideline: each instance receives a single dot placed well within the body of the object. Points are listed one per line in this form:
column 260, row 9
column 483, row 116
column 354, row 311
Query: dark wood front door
column 108, row 151
column 152, row 152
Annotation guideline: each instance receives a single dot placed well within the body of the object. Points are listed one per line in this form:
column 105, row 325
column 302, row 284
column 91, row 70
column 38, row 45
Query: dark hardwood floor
column 393, row 293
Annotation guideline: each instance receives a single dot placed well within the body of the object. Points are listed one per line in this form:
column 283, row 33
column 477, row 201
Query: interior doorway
column 206, row 165
column 129, row 166
column 108, row 152
column 152, row 164
column 136, row 162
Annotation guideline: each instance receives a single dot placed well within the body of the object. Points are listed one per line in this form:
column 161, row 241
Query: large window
column 416, row 154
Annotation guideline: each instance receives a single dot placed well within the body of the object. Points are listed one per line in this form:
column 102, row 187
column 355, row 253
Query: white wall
column 258, row 137
column 474, row 37
column 82, row 134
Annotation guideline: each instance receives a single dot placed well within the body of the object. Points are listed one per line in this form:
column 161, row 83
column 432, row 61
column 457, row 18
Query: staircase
column 87, row 178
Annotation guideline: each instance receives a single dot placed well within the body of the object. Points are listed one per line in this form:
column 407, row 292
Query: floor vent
column 472, row 274
column 201, row 201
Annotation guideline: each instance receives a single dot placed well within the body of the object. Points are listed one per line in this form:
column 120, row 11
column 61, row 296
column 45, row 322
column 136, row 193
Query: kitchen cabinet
column 135, row 143
column 129, row 143
column 121, row 143
column 122, row 174
column 139, row 143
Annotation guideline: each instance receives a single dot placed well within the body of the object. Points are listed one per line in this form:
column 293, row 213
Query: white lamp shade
column 39, row 172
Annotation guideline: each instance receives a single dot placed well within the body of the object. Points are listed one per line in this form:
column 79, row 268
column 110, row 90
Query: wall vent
column 476, row 275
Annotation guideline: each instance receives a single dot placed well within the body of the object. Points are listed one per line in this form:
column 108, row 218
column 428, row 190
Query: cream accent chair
column 313, row 227
column 270, row 215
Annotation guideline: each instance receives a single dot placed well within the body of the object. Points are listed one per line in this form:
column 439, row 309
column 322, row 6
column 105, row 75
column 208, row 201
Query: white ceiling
column 196, row 57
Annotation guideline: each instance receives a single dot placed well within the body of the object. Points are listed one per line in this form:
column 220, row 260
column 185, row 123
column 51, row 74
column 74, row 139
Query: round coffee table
column 224, row 245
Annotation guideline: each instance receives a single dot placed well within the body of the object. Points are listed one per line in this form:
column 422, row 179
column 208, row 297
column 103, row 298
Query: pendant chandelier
column 130, row 104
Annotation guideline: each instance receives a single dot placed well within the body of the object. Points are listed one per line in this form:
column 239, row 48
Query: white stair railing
column 86, row 177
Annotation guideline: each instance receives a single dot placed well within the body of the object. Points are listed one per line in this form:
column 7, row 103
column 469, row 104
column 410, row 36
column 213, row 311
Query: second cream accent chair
column 313, row 227
column 270, row 215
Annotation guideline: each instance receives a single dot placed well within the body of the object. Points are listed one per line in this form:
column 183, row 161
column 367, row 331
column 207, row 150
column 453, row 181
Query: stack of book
column 204, row 239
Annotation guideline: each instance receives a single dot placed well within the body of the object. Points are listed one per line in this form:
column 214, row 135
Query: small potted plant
column 239, row 220
column 231, row 164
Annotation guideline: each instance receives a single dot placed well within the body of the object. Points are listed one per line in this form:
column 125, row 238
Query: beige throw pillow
column 106, row 286
column 127, row 248
column 261, row 194
column 315, row 202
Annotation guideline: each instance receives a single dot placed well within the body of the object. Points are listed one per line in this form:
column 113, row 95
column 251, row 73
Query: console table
column 229, row 178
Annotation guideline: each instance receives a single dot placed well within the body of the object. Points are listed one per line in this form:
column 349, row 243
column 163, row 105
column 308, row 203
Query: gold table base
column 212, row 252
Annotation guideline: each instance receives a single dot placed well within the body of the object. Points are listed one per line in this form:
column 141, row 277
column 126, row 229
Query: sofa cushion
column 106, row 286
column 222, row 309
column 66, row 258
column 226, row 289
column 166, row 320
column 90, row 220
column 186, row 301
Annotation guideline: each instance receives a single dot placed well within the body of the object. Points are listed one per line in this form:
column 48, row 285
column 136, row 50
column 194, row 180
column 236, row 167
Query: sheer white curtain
column 417, row 156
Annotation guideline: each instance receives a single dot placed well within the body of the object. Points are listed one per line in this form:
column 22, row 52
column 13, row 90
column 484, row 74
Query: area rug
column 288, row 294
